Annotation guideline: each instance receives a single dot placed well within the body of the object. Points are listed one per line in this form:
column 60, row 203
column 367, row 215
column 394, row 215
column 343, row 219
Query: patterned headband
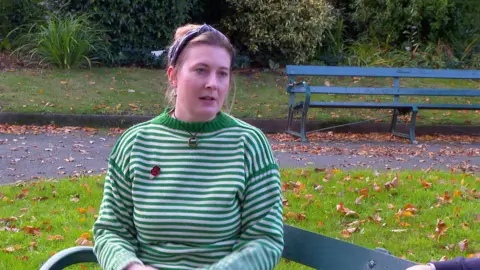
column 180, row 44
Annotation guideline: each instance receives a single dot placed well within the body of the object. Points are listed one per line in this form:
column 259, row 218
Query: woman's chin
column 206, row 113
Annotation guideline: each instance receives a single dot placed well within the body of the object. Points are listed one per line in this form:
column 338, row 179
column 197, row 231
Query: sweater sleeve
column 114, row 232
column 458, row 263
column 260, row 242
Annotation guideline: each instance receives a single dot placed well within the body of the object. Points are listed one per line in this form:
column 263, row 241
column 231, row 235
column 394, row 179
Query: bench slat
column 381, row 72
column 388, row 91
column 321, row 252
column 391, row 105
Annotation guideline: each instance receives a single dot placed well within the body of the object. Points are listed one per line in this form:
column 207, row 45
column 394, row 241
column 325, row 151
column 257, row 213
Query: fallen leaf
column 301, row 217
column 32, row 230
column 291, row 215
column 85, row 235
column 463, row 245
column 91, row 210
column 345, row 233
column 399, row 230
column 409, row 207
column 364, row 192
column 441, row 228
column 55, row 237
column 83, row 242
column 376, row 187
column 12, row 248
column 75, row 198
column 445, row 198
column 345, row 211
column 357, row 200
column 298, row 187
column 473, row 255
column 425, row 184
column 477, row 218
column 309, row 196
column 392, row 184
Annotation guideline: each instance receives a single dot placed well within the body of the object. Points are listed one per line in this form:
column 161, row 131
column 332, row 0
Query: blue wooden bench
column 307, row 248
column 399, row 106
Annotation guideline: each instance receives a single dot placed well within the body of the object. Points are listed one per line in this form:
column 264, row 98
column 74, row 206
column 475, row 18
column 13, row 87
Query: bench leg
column 290, row 118
column 303, row 124
column 394, row 120
column 412, row 124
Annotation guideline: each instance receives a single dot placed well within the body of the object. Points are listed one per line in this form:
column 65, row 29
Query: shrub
column 14, row 13
column 289, row 29
column 65, row 42
column 135, row 28
column 432, row 20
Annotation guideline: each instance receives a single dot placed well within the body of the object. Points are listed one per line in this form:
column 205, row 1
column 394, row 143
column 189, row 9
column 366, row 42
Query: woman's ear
column 172, row 76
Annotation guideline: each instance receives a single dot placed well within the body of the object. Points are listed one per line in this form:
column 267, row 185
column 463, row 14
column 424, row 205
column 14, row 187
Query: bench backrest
column 382, row 72
column 395, row 73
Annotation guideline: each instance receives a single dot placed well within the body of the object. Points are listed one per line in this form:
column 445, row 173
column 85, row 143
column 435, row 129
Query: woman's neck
column 186, row 117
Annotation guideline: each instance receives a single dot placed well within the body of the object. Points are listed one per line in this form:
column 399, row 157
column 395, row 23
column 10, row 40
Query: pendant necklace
column 193, row 141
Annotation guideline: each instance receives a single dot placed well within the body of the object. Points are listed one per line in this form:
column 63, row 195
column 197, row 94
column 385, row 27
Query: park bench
column 304, row 247
column 399, row 106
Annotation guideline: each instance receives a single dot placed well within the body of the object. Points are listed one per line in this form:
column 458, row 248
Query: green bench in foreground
column 304, row 247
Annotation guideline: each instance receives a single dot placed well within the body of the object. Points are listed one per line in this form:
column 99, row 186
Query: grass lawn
column 420, row 217
column 260, row 95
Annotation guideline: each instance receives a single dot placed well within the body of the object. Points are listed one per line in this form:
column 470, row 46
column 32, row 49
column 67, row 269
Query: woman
column 193, row 188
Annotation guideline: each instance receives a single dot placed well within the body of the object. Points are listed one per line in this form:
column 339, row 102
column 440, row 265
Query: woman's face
column 202, row 81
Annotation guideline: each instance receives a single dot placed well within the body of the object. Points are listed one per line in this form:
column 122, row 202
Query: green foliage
column 135, row 27
column 210, row 11
column 291, row 30
column 335, row 49
column 14, row 13
column 413, row 33
column 410, row 22
column 392, row 18
column 65, row 42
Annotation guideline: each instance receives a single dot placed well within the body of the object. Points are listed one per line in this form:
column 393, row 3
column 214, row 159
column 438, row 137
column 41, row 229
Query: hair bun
column 183, row 30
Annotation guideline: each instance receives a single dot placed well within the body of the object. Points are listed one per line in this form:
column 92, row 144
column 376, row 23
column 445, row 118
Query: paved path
column 24, row 157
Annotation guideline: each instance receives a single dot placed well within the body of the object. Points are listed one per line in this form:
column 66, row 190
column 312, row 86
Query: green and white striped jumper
column 216, row 206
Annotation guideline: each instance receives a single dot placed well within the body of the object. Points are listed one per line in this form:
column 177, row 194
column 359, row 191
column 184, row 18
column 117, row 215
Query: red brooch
column 155, row 171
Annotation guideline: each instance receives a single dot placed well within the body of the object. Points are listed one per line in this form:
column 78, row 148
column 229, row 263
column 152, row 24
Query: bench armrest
column 322, row 252
column 306, row 86
column 69, row 257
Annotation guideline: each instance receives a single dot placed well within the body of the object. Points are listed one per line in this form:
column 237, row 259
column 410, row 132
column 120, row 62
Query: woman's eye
column 223, row 74
column 200, row 70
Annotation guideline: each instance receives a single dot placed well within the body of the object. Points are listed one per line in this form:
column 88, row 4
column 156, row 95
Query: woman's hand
column 420, row 267
column 136, row 266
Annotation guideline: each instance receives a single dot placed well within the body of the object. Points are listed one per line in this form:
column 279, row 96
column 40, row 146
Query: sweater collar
column 221, row 121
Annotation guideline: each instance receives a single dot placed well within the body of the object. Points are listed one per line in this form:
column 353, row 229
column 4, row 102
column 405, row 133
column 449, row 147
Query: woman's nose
column 212, row 81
